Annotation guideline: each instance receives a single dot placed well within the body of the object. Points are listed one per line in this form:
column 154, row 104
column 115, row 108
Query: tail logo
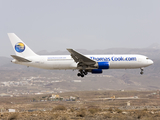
column 19, row 47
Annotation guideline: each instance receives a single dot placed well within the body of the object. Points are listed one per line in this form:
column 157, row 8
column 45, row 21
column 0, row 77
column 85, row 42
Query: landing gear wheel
column 82, row 75
column 141, row 73
column 79, row 74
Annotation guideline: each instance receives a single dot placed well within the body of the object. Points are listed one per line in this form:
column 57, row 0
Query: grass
column 59, row 107
column 13, row 116
column 107, row 115
column 110, row 109
column 118, row 110
column 93, row 110
column 81, row 113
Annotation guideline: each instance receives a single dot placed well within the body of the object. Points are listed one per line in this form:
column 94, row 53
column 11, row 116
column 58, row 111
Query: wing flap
column 20, row 59
column 81, row 58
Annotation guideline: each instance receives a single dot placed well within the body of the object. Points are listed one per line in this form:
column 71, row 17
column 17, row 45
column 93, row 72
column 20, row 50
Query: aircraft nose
column 150, row 62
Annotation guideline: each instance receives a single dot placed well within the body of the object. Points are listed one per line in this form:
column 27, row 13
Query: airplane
column 94, row 64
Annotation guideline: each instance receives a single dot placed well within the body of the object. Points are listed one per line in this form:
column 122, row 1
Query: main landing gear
column 82, row 73
column 141, row 71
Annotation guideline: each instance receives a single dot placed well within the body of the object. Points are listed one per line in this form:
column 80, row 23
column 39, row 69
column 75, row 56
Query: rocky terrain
column 87, row 106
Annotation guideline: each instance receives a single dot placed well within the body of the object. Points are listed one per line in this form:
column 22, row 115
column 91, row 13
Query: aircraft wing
column 20, row 59
column 78, row 57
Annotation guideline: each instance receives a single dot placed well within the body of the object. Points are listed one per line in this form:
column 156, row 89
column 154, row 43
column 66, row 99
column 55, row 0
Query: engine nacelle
column 97, row 71
column 103, row 65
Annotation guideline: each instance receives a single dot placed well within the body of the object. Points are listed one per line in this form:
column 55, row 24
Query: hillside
column 110, row 79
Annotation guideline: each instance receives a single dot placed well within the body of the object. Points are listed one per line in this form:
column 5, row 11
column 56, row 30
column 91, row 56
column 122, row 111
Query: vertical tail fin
column 20, row 48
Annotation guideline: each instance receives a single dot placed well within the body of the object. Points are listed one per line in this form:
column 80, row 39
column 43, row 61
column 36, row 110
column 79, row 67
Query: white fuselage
column 129, row 61
column 84, row 63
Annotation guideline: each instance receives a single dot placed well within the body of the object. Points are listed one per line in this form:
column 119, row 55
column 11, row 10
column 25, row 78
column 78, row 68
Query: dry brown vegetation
column 85, row 108
column 59, row 107
column 82, row 115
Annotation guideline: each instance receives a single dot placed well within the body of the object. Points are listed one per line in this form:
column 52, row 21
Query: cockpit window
column 147, row 58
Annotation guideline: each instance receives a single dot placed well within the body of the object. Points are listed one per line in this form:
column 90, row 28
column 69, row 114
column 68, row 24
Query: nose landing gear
column 141, row 71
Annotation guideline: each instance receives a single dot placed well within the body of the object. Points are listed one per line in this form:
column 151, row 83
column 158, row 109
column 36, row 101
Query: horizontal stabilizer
column 20, row 59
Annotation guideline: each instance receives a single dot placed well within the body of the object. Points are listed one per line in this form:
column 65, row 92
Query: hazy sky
column 80, row 24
